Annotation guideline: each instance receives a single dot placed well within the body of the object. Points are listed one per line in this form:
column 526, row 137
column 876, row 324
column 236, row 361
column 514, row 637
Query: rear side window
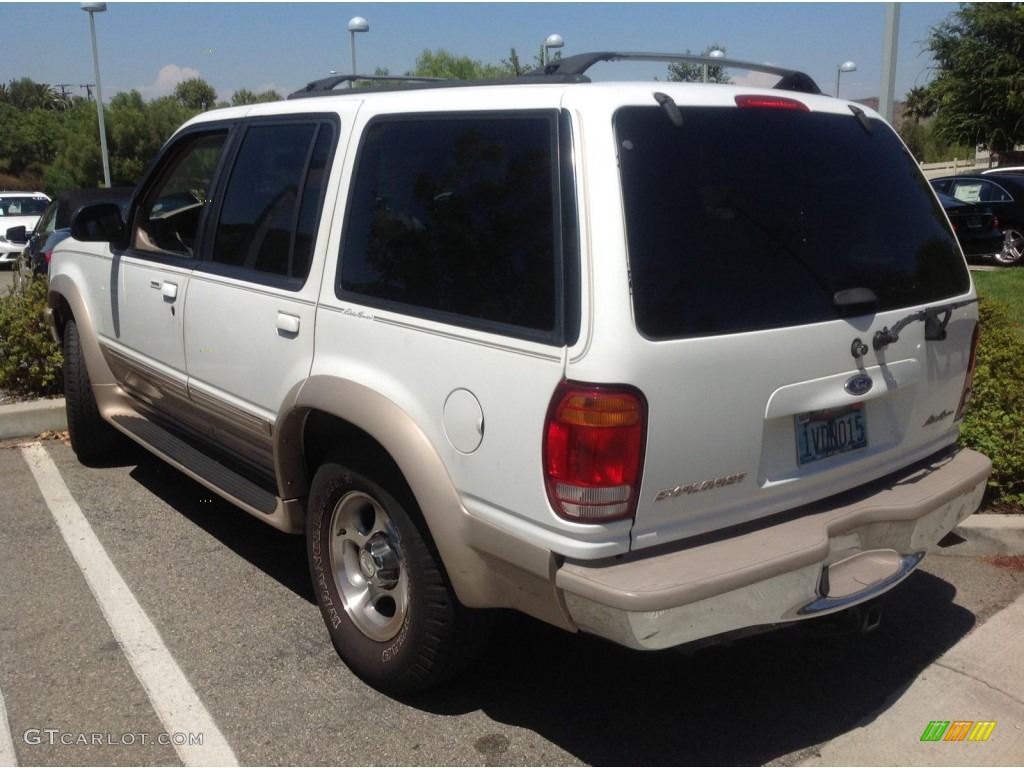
column 268, row 220
column 748, row 219
column 455, row 217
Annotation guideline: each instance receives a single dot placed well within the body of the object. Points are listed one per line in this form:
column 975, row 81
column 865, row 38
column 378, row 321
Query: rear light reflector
column 593, row 451
column 770, row 102
column 972, row 363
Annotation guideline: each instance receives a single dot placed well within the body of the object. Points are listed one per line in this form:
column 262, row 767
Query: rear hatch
column 768, row 244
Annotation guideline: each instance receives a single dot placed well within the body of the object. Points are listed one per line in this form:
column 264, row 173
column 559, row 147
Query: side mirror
column 98, row 223
column 17, row 235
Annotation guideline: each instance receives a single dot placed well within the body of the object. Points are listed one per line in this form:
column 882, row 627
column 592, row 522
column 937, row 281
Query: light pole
column 715, row 54
column 553, row 41
column 92, row 8
column 846, row 66
column 356, row 24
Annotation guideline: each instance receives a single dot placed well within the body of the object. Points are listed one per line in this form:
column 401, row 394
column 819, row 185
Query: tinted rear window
column 747, row 219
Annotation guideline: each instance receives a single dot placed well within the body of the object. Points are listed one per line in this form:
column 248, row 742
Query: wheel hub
column 379, row 562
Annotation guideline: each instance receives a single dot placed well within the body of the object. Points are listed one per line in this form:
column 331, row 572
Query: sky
column 151, row 46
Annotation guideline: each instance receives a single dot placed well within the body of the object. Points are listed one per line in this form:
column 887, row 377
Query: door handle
column 169, row 290
column 287, row 323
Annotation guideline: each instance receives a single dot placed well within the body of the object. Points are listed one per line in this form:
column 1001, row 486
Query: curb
column 982, row 535
column 31, row 418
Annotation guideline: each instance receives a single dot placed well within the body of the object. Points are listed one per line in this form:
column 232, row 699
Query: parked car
column 54, row 225
column 668, row 363
column 1012, row 169
column 18, row 209
column 1004, row 195
column 976, row 227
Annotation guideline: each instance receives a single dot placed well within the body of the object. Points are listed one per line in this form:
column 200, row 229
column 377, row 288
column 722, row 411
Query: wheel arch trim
column 487, row 566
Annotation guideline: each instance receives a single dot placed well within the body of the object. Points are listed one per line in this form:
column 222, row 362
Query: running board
column 287, row 516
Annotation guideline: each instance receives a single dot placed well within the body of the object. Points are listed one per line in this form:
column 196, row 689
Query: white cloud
column 166, row 80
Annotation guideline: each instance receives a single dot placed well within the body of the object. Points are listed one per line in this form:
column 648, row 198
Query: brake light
column 593, row 451
column 972, row 363
column 770, row 102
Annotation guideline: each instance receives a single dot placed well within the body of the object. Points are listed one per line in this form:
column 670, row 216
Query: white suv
column 661, row 362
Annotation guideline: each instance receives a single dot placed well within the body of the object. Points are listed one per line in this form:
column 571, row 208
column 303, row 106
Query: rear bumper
column 817, row 560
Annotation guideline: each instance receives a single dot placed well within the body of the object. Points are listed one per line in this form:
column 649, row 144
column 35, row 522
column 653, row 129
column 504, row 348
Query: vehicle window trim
column 558, row 334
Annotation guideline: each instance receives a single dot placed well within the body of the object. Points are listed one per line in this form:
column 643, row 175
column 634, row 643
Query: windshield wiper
column 935, row 321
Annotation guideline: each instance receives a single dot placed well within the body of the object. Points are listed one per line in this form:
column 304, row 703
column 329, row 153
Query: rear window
column 748, row 219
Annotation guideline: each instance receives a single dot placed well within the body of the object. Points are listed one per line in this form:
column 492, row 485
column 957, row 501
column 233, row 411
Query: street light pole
column 356, row 24
column 714, row 54
column 92, row 8
column 846, row 66
column 553, row 41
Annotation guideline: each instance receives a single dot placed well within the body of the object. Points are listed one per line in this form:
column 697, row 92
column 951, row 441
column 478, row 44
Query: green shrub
column 994, row 423
column 30, row 360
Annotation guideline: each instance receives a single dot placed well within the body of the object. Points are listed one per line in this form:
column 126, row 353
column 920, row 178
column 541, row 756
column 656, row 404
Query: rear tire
column 91, row 437
column 390, row 611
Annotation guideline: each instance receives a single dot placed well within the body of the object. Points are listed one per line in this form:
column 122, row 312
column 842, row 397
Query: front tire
column 1013, row 247
column 390, row 611
column 91, row 437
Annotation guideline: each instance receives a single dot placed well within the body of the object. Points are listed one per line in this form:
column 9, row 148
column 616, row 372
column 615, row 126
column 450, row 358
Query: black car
column 976, row 227
column 1004, row 195
column 54, row 226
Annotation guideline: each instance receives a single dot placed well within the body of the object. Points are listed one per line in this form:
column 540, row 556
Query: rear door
column 249, row 315
column 768, row 244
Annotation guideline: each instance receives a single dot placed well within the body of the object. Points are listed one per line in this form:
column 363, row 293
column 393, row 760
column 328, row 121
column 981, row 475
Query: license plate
column 832, row 432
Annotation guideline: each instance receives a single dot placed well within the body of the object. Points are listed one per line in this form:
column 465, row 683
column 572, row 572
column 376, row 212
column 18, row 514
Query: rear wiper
column 935, row 321
column 671, row 108
column 862, row 119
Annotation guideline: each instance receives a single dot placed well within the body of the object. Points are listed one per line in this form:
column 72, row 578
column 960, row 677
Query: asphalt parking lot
column 144, row 621
column 139, row 615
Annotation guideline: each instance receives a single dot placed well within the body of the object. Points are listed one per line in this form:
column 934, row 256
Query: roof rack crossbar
column 792, row 80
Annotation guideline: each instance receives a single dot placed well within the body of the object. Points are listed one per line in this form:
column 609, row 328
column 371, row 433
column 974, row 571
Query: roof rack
column 570, row 69
column 791, row 79
column 327, row 84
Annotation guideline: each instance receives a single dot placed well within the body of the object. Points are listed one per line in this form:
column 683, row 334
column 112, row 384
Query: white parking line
column 7, row 753
column 172, row 696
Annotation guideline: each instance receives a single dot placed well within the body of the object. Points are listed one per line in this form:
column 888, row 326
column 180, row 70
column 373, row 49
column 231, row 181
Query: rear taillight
column 593, row 451
column 965, row 396
column 995, row 222
column 48, row 254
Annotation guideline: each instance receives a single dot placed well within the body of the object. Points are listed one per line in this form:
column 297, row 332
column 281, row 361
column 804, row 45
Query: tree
column 26, row 94
column 442, row 63
column 682, row 72
column 196, row 94
column 978, row 91
column 245, row 96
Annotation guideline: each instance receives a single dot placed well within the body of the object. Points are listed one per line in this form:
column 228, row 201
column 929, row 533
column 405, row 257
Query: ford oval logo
column 860, row 384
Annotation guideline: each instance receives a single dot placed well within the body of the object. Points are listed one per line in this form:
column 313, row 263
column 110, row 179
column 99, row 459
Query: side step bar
column 287, row 516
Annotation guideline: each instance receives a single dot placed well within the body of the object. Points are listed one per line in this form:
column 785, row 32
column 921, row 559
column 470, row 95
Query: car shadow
column 280, row 555
column 743, row 704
